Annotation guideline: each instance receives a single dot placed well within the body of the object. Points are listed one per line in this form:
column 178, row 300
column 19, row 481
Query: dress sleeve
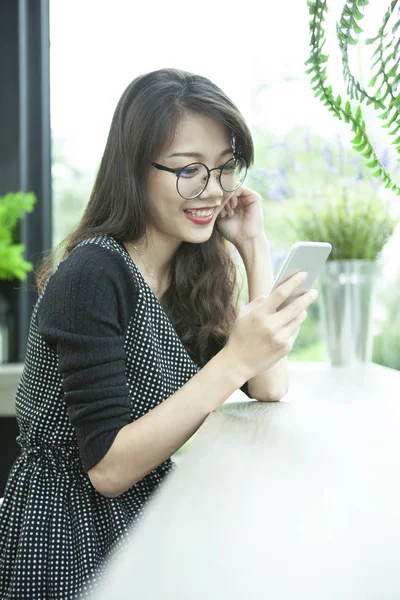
column 245, row 389
column 83, row 315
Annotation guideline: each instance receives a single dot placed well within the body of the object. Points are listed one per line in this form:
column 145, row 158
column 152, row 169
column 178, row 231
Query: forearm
column 146, row 443
column 270, row 385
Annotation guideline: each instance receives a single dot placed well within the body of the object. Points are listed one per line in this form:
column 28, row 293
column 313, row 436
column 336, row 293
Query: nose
column 213, row 188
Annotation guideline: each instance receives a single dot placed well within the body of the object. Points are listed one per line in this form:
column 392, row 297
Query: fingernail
column 303, row 275
column 314, row 294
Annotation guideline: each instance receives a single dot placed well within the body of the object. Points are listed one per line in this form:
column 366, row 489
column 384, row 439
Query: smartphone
column 303, row 256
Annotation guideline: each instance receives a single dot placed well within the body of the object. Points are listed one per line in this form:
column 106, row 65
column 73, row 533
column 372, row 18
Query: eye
column 229, row 166
column 189, row 172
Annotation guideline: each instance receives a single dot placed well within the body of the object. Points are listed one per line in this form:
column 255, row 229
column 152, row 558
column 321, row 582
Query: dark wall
column 25, row 154
column 25, row 164
column 9, row 448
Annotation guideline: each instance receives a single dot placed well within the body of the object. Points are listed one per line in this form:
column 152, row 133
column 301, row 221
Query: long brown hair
column 202, row 298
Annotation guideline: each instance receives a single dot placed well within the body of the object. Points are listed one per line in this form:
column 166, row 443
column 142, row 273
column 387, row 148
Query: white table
column 296, row 499
column 9, row 378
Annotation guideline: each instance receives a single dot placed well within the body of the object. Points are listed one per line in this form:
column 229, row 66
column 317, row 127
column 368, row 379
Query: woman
column 135, row 339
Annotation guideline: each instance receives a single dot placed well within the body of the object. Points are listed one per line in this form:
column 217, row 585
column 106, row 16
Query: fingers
column 288, row 334
column 293, row 327
column 284, row 290
column 295, row 309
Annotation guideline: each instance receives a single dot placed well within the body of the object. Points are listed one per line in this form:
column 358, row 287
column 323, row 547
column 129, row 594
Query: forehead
column 201, row 134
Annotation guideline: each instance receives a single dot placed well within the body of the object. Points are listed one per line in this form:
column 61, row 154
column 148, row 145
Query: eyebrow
column 199, row 154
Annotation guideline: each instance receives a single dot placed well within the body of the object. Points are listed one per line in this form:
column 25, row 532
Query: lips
column 201, row 214
column 198, row 220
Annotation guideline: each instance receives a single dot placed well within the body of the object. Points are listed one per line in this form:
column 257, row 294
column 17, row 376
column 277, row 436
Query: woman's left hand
column 242, row 217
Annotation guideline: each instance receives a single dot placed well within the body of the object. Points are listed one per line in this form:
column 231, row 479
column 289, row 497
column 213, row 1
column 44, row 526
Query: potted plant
column 12, row 263
column 358, row 222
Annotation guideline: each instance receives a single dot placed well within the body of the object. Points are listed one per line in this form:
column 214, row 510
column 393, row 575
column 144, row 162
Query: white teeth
column 200, row 213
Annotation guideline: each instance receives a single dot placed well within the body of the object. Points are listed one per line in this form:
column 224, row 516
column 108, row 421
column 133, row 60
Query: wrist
column 233, row 368
column 253, row 248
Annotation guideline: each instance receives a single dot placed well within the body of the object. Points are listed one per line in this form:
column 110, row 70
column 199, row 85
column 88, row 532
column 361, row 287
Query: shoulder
column 90, row 258
column 91, row 276
column 95, row 262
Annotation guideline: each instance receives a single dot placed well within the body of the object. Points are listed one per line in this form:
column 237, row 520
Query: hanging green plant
column 386, row 79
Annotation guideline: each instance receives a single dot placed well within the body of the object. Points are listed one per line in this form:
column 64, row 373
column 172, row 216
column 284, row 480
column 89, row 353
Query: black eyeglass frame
column 179, row 170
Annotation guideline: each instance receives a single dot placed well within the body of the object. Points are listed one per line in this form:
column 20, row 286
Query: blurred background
column 65, row 63
column 256, row 55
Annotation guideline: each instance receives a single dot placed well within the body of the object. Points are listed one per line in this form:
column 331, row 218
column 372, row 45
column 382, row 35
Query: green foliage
column 385, row 80
column 314, row 353
column 353, row 219
column 12, row 208
column 302, row 169
column 386, row 349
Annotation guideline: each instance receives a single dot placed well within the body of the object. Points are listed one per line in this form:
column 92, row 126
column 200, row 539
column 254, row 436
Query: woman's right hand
column 261, row 336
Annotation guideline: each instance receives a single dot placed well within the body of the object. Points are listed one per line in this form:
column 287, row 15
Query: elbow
column 105, row 482
column 274, row 398
column 270, row 395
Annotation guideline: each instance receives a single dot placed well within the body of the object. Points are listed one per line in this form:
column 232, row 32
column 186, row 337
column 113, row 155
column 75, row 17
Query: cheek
column 163, row 197
column 165, row 207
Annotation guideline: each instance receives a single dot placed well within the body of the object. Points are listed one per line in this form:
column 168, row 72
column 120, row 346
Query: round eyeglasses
column 192, row 180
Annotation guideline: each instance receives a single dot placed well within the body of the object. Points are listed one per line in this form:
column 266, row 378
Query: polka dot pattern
column 56, row 530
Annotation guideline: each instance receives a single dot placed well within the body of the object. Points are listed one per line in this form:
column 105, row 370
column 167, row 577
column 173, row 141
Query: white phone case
column 303, row 256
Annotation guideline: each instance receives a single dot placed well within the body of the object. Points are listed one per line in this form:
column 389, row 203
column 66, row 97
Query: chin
column 200, row 238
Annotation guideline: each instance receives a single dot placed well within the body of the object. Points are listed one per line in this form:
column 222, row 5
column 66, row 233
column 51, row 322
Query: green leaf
column 357, row 13
column 358, row 137
column 373, row 80
column 384, row 115
column 394, row 117
column 347, row 11
column 372, row 164
column 377, row 173
column 395, row 102
column 395, row 130
column 367, row 152
column 361, row 146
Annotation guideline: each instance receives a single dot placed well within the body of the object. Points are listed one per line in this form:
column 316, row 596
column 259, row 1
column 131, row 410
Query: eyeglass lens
column 193, row 179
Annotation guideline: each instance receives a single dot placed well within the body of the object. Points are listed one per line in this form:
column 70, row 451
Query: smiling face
column 198, row 138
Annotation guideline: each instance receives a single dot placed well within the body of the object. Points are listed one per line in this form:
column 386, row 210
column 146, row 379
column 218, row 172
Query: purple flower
column 308, row 142
column 275, row 193
column 385, row 158
column 342, row 153
column 327, row 154
column 283, row 172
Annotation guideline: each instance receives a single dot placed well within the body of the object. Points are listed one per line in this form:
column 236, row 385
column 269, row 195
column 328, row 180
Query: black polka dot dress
column 101, row 353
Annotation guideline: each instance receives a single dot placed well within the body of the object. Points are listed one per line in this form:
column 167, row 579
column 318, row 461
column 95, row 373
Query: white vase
column 4, row 330
column 347, row 292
